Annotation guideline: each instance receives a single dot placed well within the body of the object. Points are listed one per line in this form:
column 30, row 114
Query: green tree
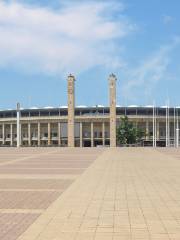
column 127, row 133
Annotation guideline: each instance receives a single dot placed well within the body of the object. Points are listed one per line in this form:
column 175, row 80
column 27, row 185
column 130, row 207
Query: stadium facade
column 83, row 126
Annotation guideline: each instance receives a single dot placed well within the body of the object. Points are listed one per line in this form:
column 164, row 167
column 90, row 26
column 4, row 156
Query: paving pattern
column 89, row 194
column 31, row 179
column 13, row 225
column 125, row 194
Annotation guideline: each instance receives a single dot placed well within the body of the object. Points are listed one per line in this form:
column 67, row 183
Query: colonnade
column 89, row 132
column 42, row 132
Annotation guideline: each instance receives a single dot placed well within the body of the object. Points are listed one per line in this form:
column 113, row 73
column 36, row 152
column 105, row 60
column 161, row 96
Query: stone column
column 59, row 133
column 29, row 134
column 177, row 130
column 157, row 130
column 39, row 133
column 103, row 133
column 49, row 133
column 147, row 130
column 71, row 106
column 81, row 135
column 11, row 134
column 112, row 94
column 177, row 137
column 20, row 132
column 3, row 133
column 92, row 134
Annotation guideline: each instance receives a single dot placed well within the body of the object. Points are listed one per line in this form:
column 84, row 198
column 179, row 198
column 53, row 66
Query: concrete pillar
column 20, row 131
column 11, row 134
column 112, row 94
column 177, row 130
column 103, row 133
column 147, row 130
column 81, row 135
column 158, row 123
column 18, row 126
column 177, row 137
column 49, row 133
column 167, row 127
column 39, row 133
column 59, row 133
column 71, row 105
column 92, row 134
column 3, row 134
column 29, row 134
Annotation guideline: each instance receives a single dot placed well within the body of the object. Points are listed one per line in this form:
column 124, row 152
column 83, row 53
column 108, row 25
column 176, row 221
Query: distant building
column 83, row 126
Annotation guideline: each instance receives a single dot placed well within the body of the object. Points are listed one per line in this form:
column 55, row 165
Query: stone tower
column 112, row 95
column 71, row 110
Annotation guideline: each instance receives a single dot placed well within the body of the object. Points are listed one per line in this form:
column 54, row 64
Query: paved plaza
column 89, row 194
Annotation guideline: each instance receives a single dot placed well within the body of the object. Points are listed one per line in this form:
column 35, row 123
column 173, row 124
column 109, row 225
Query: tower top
column 112, row 76
column 71, row 77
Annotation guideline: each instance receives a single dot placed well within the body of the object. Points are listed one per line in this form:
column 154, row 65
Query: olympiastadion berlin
column 81, row 126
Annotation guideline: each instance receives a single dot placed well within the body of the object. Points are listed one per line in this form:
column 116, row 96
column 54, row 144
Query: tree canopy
column 127, row 133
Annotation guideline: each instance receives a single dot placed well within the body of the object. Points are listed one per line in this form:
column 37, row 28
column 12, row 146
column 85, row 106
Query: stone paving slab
column 35, row 184
column 31, row 179
column 51, row 171
column 27, row 199
column 128, row 193
column 38, row 176
column 48, row 165
column 13, row 225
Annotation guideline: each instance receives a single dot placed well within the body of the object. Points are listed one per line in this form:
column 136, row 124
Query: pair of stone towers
column 71, row 110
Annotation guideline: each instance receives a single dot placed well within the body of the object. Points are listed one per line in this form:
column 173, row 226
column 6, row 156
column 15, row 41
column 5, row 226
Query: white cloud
column 72, row 38
column 167, row 19
column 142, row 80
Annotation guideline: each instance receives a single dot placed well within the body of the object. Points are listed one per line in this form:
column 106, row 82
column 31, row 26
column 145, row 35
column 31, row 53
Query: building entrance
column 98, row 143
column 87, row 143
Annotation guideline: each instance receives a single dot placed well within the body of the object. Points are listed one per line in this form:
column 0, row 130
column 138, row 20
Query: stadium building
column 83, row 126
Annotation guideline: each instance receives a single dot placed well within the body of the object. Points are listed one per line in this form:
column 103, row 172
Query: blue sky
column 42, row 41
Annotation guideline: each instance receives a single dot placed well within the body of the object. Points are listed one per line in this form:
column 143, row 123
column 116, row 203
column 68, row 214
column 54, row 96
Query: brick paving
column 12, row 225
column 34, row 184
column 125, row 194
column 27, row 199
column 89, row 194
column 40, row 171
column 31, row 179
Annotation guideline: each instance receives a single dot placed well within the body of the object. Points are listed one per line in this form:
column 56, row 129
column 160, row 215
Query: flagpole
column 177, row 128
column 153, row 126
column 166, row 126
column 174, row 127
column 18, row 126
